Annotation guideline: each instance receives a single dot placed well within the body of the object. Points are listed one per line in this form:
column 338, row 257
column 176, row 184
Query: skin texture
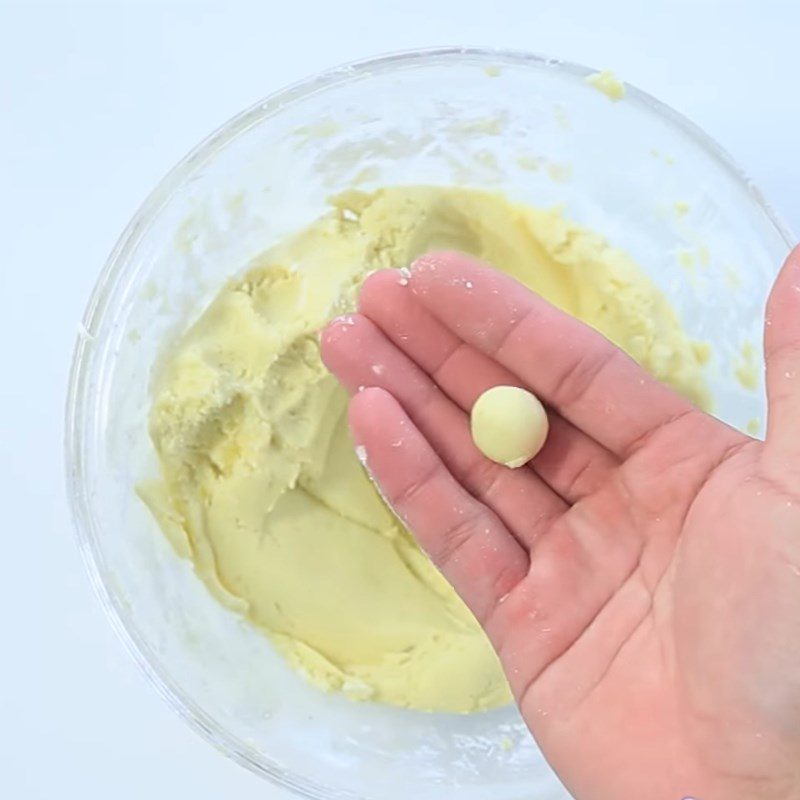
column 640, row 579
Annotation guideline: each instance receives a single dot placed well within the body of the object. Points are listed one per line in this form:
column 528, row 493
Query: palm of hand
column 641, row 582
column 685, row 684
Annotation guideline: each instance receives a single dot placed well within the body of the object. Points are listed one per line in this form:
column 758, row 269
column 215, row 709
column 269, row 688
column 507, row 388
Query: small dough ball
column 509, row 425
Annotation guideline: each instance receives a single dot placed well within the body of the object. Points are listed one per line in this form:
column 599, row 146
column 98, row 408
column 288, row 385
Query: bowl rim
column 80, row 412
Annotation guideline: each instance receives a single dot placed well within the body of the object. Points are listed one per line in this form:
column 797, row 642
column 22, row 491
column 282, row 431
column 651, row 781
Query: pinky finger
column 464, row 538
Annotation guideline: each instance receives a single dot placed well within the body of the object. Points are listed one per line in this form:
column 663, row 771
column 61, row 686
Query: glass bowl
column 634, row 170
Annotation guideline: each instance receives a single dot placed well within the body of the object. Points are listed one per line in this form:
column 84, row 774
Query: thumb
column 782, row 352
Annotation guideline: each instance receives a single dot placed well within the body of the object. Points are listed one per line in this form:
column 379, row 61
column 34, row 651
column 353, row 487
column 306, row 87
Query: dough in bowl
column 259, row 483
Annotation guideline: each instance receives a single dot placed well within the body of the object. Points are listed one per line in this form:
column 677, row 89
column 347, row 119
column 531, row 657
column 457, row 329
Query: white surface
column 97, row 102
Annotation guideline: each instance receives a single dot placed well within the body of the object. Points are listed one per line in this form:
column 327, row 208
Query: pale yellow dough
column 509, row 425
column 260, row 486
column 607, row 83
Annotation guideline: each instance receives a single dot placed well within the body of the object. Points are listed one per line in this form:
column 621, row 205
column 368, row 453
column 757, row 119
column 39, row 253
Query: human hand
column 640, row 578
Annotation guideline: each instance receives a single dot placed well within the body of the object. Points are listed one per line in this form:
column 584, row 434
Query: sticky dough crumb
column 607, row 83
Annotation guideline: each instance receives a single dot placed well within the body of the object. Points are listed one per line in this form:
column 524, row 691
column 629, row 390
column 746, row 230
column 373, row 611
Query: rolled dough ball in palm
column 509, row 425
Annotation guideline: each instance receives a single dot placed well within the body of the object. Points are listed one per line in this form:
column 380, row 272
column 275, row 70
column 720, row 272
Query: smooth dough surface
column 260, row 486
column 509, row 425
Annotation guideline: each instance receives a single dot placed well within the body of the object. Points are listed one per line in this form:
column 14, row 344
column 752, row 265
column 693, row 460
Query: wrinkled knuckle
column 582, row 481
column 456, row 539
column 514, row 328
column 481, row 477
column 447, row 360
column 409, row 494
column 576, row 382
column 679, row 425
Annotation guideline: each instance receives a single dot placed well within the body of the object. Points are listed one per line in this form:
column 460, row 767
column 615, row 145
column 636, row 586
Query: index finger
column 463, row 537
column 571, row 366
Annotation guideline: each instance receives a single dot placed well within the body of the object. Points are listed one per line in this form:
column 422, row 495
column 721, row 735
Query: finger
column 572, row 463
column 782, row 352
column 465, row 539
column 572, row 367
column 359, row 354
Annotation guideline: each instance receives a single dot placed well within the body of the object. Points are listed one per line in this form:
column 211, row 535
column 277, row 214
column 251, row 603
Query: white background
column 97, row 101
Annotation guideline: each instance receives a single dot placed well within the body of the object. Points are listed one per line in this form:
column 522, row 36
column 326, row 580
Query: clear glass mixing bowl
column 636, row 171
